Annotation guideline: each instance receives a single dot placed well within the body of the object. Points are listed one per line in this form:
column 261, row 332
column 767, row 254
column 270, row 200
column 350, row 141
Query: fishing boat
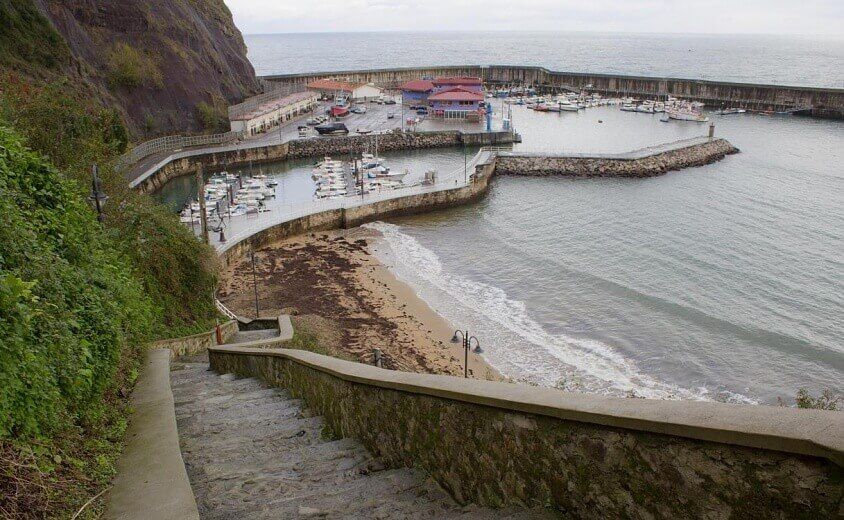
column 686, row 114
column 730, row 111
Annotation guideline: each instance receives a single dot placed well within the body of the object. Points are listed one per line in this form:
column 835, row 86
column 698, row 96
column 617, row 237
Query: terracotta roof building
column 336, row 88
column 273, row 113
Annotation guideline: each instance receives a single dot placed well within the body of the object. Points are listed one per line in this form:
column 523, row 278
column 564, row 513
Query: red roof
column 457, row 94
column 418, row 85
column 460, row 80
column 330, row 84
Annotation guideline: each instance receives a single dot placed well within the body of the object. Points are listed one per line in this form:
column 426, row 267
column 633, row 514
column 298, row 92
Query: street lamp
column 97, row 197
column 464, row 336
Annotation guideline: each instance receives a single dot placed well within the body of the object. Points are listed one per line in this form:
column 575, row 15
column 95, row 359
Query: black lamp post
column 97, row 197
column 464, row 336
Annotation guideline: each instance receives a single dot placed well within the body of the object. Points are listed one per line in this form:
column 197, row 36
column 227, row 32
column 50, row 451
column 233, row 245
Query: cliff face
column 169, row 66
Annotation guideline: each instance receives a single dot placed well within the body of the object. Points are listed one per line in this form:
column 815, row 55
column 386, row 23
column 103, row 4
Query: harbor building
column 464, row 82
column 457, row 102
column 334, row 89
column 273, row 113
column 416, row 92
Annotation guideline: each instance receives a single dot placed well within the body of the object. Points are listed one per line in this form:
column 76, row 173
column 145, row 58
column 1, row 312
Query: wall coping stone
column 151, row 479
column 817, row 433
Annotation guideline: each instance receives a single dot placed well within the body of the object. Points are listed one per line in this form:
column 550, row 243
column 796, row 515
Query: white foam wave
column 528, row 351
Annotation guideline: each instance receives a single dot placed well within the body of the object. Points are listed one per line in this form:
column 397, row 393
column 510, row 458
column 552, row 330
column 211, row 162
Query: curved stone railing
column 591, row 456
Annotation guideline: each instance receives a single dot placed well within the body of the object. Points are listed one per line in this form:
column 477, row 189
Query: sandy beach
column 340, row 294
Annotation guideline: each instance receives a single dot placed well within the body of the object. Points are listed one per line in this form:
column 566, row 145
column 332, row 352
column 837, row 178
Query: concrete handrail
column 817, row 433
column 151, row 480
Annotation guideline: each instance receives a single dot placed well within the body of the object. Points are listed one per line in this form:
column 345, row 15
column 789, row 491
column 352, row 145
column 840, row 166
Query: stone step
column 257, row 452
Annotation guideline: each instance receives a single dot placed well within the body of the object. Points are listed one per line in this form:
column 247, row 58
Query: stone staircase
column 255, row 452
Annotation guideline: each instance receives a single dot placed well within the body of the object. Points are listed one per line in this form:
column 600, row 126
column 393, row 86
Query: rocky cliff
column 168, row 66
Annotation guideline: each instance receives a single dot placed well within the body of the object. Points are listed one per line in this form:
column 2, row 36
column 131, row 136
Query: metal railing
column 173, row 142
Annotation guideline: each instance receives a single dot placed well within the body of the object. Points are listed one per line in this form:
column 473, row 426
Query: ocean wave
column 541, row 357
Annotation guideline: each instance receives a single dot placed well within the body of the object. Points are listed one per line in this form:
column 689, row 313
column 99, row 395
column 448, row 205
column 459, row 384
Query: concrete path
column 255, row 452
column 151, row 480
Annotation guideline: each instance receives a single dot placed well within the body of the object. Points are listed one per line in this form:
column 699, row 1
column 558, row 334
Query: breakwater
column 647, row 162
column 818, row 102
column 185, row 163
column 586, row 455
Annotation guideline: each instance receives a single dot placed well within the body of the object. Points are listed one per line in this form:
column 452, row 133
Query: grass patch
column 131, row 68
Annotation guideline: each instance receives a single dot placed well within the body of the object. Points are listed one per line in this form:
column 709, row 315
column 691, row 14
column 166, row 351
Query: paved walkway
column 255, row 452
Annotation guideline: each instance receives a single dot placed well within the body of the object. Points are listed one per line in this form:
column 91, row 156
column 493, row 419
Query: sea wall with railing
column 819, row 102
column 187, row 162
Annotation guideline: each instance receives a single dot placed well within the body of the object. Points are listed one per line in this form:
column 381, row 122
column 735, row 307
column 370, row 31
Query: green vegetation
column 78, row 299
column 212, row 117
column 27, row 39
column 825, row 401
column 130, row 68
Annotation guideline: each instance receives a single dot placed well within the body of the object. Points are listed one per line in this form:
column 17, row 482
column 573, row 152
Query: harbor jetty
column 817, row 102
column 646, row 162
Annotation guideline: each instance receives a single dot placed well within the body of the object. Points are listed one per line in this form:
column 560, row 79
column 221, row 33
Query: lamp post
column 97, row 197
column 254, row 280
column 464, row 336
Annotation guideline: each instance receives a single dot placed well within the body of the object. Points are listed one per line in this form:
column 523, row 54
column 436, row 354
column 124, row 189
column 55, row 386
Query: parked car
column 358, row 109
column 389, row 101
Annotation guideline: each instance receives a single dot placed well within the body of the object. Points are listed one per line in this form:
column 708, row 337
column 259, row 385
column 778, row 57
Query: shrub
column 130, row 68
column 69, row 300
column 213, row 117
column 825, row 401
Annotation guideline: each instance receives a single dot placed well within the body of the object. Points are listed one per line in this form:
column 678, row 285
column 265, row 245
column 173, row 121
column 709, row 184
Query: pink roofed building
column 457, row 102
column 468, row 83
column 416, row 92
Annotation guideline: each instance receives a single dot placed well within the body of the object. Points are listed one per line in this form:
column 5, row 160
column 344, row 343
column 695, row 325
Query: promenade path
column 253, row 452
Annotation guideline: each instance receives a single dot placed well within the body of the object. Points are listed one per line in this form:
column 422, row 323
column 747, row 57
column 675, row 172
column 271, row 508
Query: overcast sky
column 696, row 16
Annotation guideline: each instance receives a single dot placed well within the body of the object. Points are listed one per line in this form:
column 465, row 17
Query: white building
column 352, row 91
column 273, row 113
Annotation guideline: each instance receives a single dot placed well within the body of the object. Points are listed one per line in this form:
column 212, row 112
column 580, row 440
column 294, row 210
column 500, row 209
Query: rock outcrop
column 168, row 66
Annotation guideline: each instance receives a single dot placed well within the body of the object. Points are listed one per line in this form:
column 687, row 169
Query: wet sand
column 341, row 294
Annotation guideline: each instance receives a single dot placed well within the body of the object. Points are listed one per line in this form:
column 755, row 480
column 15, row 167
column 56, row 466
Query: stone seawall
column 819, row 102
column 586, row 456
column 345, row 218
column 230, row 157
column 632, row 164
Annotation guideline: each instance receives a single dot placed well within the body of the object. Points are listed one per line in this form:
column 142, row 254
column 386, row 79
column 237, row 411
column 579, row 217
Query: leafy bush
column 130, row 68
column 825, row 401
column 213, row 117
column 69, row 299
column 177, row 272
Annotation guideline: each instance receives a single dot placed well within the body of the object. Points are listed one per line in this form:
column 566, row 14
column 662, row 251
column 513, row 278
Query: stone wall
column 196, row 343
column 186, row 163
column 608, row 166
column 499, row 444
column 821, row 102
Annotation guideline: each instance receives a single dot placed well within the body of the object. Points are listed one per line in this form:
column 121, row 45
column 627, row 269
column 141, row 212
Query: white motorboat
column 684, row 114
